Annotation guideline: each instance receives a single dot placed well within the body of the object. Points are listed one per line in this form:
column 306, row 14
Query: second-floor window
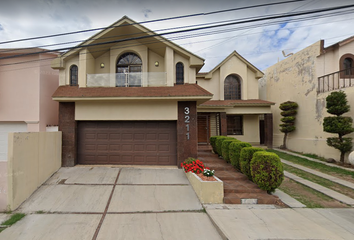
column 73, row 75
column 232, row 88
column 129, row 66
column 179, row 73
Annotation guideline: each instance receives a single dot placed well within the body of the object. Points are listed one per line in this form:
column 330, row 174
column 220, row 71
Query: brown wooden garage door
column 127, row 142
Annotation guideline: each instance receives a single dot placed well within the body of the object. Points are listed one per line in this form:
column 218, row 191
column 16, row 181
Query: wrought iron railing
column 336, row 80
column 141, row 79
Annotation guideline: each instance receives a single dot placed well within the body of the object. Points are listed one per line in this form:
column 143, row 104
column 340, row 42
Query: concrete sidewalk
column 113, row 203
column 261, row 222
column 130, row 203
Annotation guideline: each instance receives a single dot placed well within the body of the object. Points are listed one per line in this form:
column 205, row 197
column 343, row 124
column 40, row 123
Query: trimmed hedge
column 245, row 159
column 235, row 151
column 213, row 142
column 267, row 170
column 218, row 143
column 225, row 148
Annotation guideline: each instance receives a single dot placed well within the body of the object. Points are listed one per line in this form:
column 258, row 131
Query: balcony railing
column 336, row 80
column 141, row 79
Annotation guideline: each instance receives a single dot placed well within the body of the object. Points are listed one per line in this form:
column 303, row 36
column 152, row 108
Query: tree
column 337, row 104
column 288, row 112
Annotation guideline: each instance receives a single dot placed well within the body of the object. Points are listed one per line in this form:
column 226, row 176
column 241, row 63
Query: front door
column 203, row 128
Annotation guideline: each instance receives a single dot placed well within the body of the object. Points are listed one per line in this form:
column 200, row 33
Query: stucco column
column 268, row 125
column 223, row 124
column 187, row 139
column 169, row 65
column 68, row 126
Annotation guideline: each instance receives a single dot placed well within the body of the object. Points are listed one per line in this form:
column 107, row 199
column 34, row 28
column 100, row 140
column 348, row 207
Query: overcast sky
column 261, row 43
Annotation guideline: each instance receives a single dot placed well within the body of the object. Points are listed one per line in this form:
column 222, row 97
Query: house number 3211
column 187, row 120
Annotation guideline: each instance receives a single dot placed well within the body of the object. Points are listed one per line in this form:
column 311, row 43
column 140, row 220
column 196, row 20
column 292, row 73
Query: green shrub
column 225, row 148
column 218, row 143
column 213, row 142
column 235, row 151
column 266, row 170
column 245, row 159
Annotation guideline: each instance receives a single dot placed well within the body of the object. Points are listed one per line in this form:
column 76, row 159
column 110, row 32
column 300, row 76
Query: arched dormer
column 232, row 87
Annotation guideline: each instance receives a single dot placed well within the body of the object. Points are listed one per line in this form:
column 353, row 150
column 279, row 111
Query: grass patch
column 314, row 165
column 307, row 196
column 13, row 219
column 321, row 181
column 311, row 155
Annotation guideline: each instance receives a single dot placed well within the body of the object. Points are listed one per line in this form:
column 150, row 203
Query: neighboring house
column 235, row 109
column 129, row 96
column 26, row 85
column 308, row 77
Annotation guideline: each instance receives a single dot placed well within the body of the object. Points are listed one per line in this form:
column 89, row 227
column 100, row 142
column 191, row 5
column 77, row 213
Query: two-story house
column 308, row 77
column 130, row 96
column 235, row 109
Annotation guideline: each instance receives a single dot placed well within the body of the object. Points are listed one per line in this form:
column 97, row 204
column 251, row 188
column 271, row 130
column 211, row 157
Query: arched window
column 232, row 88
column 179, row 73
column 129, row 67
column 73, row 75
column 346, row 65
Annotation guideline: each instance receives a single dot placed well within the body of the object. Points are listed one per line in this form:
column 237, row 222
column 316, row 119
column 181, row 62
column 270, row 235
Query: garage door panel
column 140, row 142
column 127, row 137
column 151, row 136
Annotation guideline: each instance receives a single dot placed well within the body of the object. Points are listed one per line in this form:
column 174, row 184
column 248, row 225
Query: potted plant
column 206, row 185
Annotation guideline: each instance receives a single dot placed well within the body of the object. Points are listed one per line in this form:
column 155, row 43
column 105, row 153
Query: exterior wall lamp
column 157, row 64
column 102, row 65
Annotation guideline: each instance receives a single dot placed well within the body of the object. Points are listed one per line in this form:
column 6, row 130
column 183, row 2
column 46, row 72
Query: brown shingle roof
column 232, row 103
column 186, row 90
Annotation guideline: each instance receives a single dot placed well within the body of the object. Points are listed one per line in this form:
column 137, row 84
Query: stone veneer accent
column 68, row 126
column 187, row 147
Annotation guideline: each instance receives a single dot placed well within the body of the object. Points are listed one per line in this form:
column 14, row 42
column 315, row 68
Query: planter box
column 207, row 191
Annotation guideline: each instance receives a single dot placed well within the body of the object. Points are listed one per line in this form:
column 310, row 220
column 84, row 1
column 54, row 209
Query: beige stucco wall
column 48, row 109
column 3, row 186
column 19, row 86
column 154, row 57
column 104, row 58
column 88, row 64
column 26, row 90
column 212, row 85
column 295, row 79
column 126, row 110
column 32, row 159
column 234, row 65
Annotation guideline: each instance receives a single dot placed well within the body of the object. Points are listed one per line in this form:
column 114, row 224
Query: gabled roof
column 184, row 92
column 337, row 44
column 258, row 72
column 125, row 30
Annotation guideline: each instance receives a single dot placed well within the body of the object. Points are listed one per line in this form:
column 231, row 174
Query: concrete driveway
column 113, row 203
